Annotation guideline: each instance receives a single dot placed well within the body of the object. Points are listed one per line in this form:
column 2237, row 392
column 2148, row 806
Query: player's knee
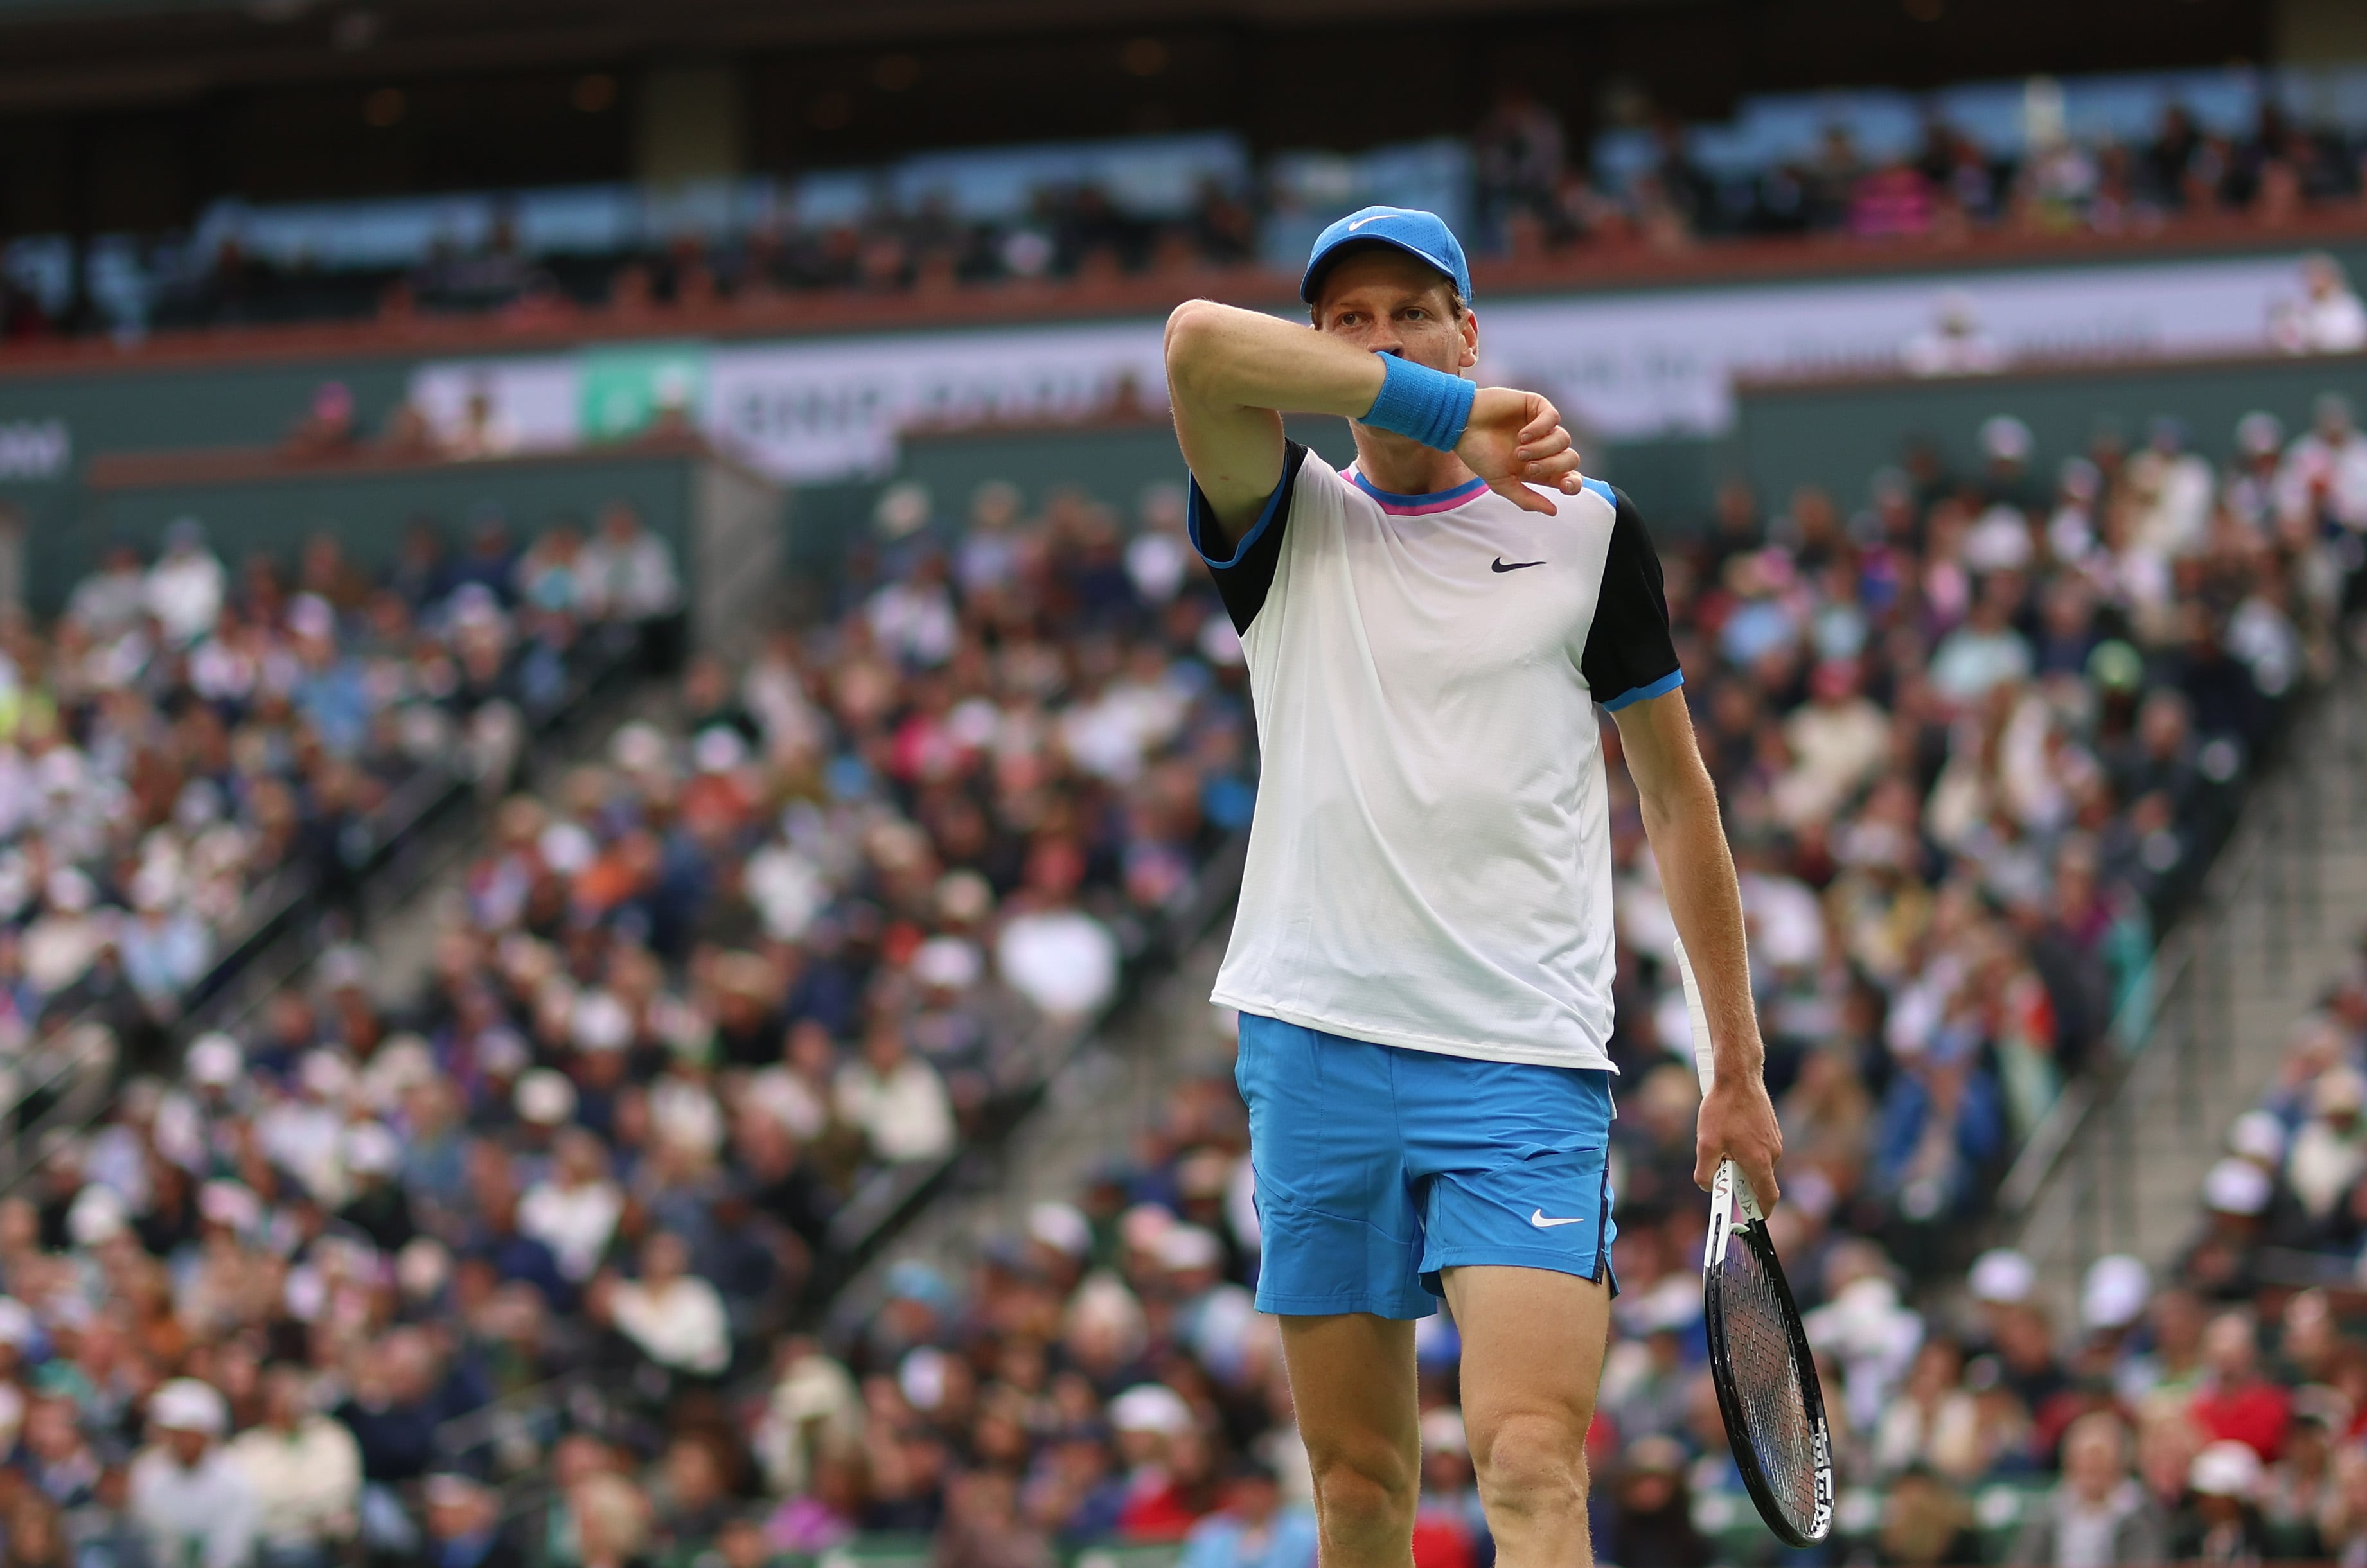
column 1363, row 1488
column 1531, row 1462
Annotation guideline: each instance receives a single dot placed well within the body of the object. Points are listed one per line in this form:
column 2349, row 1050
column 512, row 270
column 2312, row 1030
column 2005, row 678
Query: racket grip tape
column 1705, row 1053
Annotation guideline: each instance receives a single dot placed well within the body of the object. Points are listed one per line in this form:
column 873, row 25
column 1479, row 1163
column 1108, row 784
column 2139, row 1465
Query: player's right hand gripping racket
column 1767, row 1386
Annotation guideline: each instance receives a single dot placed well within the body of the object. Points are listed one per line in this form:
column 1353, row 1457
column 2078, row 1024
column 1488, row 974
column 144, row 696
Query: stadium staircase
column 1090, row 1112
column 2117, row 1166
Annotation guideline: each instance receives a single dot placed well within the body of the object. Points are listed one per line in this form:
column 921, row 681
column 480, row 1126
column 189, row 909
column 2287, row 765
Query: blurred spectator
column 1652, row 1511
column 2097, row 1516
column 304, row 1472
column 191, row 1497
column 625, row 573
column 186, row 586
column 464, row 1526
column 983, row 1528
column 1517, row 152
column 896, row 1100
column 671, row 1315
column 610, row 1517
column 1924, row 1525
column 1954, row 345
column 2323, row 479
column 2220, row 1523
column 1254, row 1529
column 2329, row 318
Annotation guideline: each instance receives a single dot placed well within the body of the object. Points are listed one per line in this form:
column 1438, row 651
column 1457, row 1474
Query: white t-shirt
column 1429, row 863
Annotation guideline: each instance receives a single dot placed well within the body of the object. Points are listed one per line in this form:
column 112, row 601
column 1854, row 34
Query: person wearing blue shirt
column 1253, row 1529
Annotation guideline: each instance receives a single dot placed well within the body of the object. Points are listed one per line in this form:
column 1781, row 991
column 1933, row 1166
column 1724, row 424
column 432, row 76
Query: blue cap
column 1422, row 234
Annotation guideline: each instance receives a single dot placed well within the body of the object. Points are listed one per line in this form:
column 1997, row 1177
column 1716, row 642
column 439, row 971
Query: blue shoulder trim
column 1198, row 501
column 1660, row 688
column 1598, row 487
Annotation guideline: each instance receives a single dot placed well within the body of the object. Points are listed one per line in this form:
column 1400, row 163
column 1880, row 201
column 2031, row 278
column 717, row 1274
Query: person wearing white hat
column 97, row 1216
column 2237, row 1189
column 1062, row 1238
column 2113, row 1295
column 1150, row 1409
column 376, row 1202
column 2221, row 1521
column 545, row 1099
column 192, row 1503
column 2002, row 1277
column 2259, row 1136
column 215, row 1063
column 574, row 1209
column 2331, row 1150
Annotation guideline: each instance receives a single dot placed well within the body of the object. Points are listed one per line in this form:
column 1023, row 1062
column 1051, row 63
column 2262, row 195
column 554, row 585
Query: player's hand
column 1515, row 439
column 1738, row 1123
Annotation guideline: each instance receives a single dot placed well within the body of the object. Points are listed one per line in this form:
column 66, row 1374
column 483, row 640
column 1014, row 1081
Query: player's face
column 1386, row 302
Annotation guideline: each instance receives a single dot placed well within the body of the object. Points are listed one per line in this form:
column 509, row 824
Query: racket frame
column 1734, row 1218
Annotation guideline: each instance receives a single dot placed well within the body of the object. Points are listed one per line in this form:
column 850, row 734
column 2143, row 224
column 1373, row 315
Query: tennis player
column 1423, row 953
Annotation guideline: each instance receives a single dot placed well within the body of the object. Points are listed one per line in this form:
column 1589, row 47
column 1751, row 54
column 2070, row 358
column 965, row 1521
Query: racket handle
column 1705, row 1056
column 1744, row 1202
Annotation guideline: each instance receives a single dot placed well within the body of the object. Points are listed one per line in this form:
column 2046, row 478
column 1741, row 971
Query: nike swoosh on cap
column 1538, row 1219
column 1360, row 223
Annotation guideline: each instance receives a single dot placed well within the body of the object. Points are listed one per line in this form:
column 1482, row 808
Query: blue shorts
column 1378, row 1166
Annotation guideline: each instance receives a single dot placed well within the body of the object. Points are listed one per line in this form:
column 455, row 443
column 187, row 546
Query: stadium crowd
column 506, row 1273
column 187, row 747
column 1532, row 193
column 1535, row 197
column 683, row 1007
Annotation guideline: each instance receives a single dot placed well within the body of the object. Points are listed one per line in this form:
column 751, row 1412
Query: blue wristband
column 1428, row 405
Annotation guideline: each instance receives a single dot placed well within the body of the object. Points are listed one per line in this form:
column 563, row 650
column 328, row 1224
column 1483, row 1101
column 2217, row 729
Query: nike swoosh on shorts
column 1538, row 1219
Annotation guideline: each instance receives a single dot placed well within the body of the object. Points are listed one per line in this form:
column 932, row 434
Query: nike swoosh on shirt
column 1538, row 1219
column 1501, row 564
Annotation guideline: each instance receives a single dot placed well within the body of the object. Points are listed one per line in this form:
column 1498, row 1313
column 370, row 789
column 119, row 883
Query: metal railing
column 2172, row 1049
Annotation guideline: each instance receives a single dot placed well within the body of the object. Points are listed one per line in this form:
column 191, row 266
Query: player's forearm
column 1222, row 356
column 1706, row 901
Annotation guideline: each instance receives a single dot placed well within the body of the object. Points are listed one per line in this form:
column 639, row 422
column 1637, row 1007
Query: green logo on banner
column 625, row 391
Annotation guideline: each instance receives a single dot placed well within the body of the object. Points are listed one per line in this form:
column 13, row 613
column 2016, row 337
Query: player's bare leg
column 1532, row 1345
column 1351, row 1379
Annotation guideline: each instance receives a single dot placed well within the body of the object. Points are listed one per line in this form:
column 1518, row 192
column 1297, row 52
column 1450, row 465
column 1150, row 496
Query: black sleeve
column 1243, row 579
column 1628, row 653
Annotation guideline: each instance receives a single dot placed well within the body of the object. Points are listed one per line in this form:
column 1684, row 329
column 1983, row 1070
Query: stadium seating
column 547, row 1224
column 2106, row 154
column 192, row 753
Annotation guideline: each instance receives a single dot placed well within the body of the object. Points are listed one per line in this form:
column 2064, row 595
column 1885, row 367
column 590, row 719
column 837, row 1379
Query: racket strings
column 1767, row 1377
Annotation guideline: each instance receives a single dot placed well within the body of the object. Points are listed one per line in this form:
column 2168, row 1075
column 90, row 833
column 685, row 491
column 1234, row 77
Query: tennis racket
column 1767, row 1387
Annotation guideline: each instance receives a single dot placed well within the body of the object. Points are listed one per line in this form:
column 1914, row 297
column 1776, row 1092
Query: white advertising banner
column 1633, row 366
column 1627, row 366
column 832, row 409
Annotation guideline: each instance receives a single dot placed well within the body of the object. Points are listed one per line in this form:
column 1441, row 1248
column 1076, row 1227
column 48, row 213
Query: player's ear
column 1470, row 337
